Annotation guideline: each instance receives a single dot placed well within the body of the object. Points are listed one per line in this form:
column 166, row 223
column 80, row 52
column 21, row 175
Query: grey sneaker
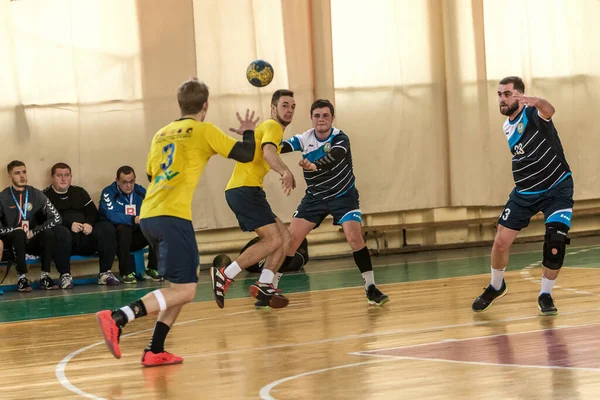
column 66, row 281
column 108, row 278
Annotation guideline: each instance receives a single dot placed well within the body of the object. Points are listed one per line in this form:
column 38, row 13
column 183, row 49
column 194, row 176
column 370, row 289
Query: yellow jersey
column 178, row 155
column 253, row 173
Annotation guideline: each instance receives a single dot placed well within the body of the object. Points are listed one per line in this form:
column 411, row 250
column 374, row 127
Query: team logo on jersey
column 520, row 128
column 327, row 147
column 29, row 206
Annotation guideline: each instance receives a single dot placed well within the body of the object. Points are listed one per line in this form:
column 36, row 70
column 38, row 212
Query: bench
column 138, row 256
column 378, row 231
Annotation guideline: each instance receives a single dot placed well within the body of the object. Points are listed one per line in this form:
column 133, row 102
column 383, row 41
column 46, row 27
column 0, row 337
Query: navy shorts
column 556, row 204
column 344, row 208
column 174, row 241
column 250, row 206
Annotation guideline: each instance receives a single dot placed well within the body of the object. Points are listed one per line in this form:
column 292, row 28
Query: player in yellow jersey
column 247, row 199
column 178, row 155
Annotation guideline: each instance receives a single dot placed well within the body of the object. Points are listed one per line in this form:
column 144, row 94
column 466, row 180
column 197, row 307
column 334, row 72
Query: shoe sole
column 221, row 304
column 25, row 290
column 547, row 313
column 274, row 302
column 374, row 303
column 115, row 351
column 492, row 302
column 163, row 364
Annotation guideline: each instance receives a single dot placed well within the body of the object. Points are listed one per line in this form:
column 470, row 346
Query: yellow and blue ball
column 259, row 73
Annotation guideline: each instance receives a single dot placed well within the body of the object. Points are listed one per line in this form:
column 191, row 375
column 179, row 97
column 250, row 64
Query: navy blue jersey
column 539, row 161
column 334, row 176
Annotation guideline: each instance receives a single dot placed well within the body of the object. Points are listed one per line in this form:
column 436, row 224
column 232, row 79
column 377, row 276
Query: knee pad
column 556, row 240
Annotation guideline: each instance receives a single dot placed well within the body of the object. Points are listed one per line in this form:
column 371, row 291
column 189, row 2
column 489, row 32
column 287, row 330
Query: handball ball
column 259, row 73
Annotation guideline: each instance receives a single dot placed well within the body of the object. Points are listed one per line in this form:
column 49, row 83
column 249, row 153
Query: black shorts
column 556, row 204
column 250, row 206
column 344, row 208
column 174, row 241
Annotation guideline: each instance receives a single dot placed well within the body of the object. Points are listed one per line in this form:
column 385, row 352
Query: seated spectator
column 120, row 203
column 29, row 224
column 80, row 216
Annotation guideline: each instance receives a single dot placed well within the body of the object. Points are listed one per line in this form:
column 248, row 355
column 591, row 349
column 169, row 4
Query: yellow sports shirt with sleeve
column 253, row 173
column 178, row 155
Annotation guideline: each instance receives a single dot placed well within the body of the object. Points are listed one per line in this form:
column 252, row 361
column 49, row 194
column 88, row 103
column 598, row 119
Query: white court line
column 487, row 363
column 265, row 391
column 410, row 346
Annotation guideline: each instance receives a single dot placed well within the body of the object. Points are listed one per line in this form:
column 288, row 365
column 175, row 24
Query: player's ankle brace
column 362, row 258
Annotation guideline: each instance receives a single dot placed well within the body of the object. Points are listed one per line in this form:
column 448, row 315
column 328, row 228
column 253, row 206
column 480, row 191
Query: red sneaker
column 110, row 331
column 150, row 359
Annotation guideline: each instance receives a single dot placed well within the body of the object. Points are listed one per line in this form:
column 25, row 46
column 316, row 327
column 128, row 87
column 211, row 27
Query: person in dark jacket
column 80, row 216
column 29, row 224
column 120, row 203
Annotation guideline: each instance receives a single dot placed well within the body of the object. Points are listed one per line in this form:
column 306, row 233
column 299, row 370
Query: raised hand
column 526, row 100
column 307, row 165
column 246, row 124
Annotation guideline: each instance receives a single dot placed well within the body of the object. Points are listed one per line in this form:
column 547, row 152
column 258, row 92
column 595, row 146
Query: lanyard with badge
column 22, row 211
column 130, row 208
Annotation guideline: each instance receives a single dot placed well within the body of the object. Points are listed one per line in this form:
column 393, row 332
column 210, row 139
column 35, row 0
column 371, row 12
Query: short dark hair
column 280, row 93
column 14, row 164
column 125, row 170
column 517, row 82
column 60, row 165
column 322, row 103
column 191, row 96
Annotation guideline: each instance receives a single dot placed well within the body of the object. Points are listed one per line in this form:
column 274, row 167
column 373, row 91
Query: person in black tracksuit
column 29, row 224
column 80, row 216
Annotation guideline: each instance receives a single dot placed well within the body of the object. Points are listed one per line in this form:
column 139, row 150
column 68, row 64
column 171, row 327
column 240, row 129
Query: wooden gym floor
column 426, row 343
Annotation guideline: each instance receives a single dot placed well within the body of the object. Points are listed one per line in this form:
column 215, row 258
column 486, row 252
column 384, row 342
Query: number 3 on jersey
column 169, row 156
column 505, row 214
column 169, row 152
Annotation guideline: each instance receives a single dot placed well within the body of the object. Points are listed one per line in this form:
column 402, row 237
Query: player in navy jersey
column 543, row 182
column 327, row 165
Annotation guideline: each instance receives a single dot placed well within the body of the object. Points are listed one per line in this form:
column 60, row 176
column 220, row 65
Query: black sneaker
column 488, row 296
column 375, row 297
column 23, row 285
column 47, row 283
column 546, row 304
column 220, row 283
column 264, row 301
column 266, row 291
